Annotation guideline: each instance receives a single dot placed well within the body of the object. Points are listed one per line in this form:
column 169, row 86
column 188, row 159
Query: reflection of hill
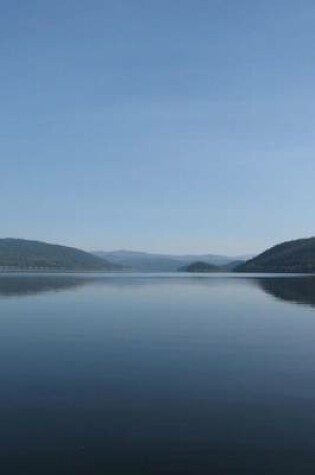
column 300, row 290
column 30, row 285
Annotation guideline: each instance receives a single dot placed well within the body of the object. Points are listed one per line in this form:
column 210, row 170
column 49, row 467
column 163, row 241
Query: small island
column 200, row 266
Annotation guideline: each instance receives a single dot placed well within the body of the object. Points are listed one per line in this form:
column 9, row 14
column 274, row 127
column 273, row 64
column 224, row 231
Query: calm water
column 139, row 374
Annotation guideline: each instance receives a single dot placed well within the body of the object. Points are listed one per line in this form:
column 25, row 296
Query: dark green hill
column 24, row 254
column 200, row 266
column 292, row 256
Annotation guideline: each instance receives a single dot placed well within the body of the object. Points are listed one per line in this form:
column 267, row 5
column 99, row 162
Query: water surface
column 157, row 374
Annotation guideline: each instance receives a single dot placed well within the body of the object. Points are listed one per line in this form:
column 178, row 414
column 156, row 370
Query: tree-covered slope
column 24, row 254
column 291, row 256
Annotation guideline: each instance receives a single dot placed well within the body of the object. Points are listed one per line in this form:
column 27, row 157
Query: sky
column 183, row 126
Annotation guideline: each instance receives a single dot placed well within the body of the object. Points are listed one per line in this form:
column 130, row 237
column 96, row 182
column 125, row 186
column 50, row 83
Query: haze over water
column 160, row 374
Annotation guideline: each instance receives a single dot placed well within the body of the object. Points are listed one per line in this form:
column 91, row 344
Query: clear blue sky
column 169, row 125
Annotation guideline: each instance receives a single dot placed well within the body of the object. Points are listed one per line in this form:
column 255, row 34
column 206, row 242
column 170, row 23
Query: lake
column 154, row 374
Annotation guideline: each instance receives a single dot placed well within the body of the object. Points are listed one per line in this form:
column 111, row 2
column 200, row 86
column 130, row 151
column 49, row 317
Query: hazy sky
column 159, row 125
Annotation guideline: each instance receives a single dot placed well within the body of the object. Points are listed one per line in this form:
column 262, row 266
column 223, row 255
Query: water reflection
column 299, row 290
column 17, row 285
column 158, row 374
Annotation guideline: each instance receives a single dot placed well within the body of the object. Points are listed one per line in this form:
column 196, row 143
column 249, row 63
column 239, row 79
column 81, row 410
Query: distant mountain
column 200, row 266
column 24, row 254
column 290, row 256
column 150, row 262
column 141, row 261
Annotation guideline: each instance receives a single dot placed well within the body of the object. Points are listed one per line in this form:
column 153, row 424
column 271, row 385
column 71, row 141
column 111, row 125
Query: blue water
column 157, row 374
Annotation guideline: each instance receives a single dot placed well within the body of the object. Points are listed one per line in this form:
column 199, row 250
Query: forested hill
column 291, row 256
column 24, row 254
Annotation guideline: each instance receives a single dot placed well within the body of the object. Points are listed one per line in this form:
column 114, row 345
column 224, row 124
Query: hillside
column 24, row 254
column 292, row 256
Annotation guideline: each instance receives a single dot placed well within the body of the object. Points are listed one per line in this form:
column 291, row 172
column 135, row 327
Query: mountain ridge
column 158, row 262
